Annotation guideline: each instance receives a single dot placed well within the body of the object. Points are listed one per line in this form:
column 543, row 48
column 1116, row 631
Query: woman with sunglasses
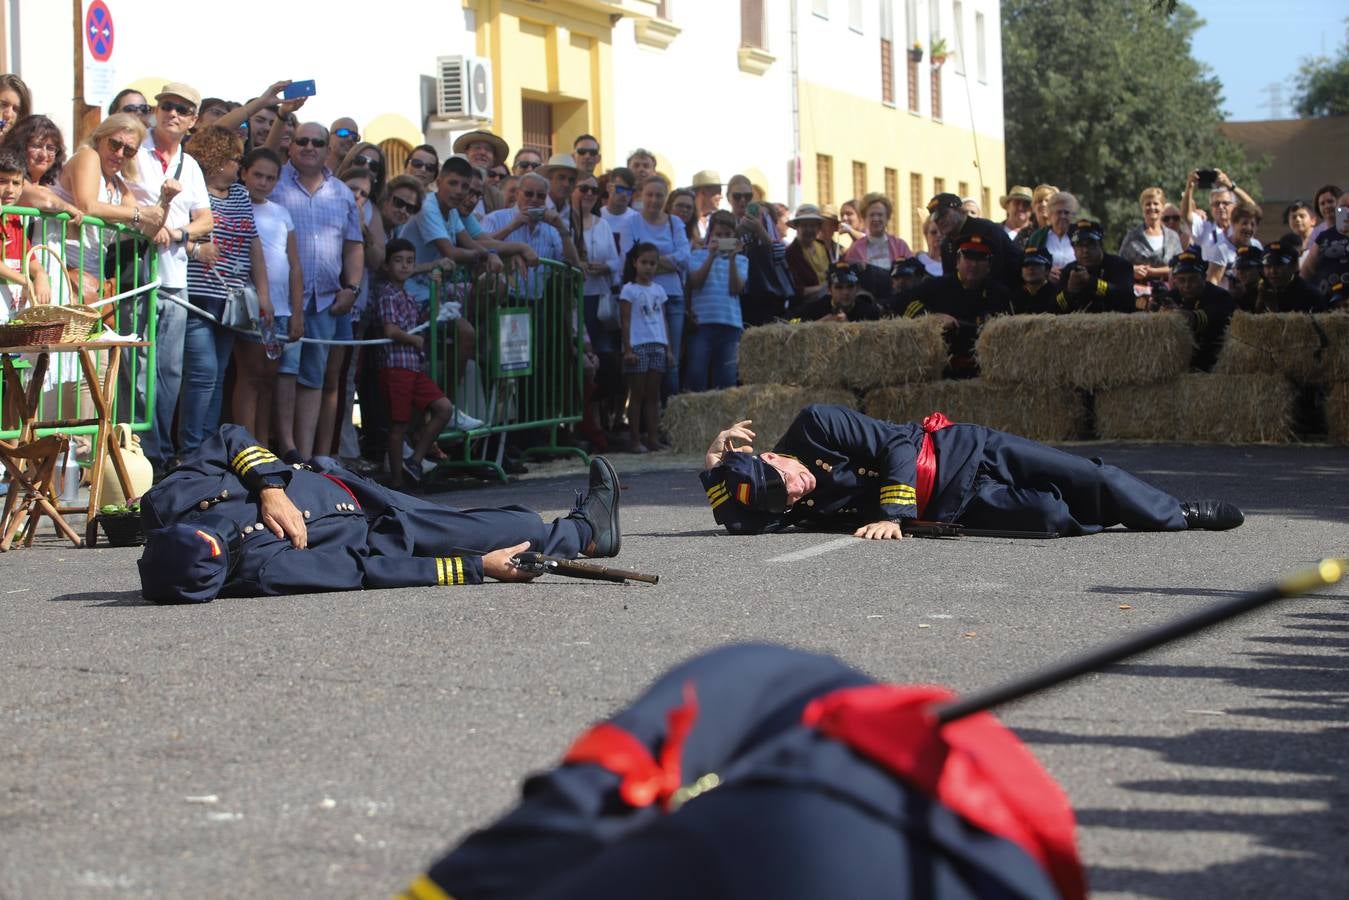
column 134, row 102
column 367, row 156
column 96, row 182
column 1150, row 247
column 424, row 165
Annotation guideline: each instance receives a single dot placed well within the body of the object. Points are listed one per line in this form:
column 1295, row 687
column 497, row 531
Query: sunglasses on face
column 496, row 176
column 587, row 151
column 346, row 133
column 137, row 108
column 367, row 162
column 739, row 196
column 317, row 143
column 527, row 165
column 621, row 189
column 181, row 109
column 122, row 147
column 535, row 195
column 1170, row 218
column 361, row 192
column 588, row 189
column 419, row 164
column 400, row 203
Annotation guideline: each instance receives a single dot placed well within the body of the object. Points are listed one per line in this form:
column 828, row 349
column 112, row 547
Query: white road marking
column 817, row 550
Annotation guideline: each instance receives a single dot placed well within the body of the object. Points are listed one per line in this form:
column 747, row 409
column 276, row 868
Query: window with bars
column 913, row 84
column 938, row 186
column 919, row 205
column 752, row 24
column 859, row 179
column 663, row 10
column 987, row 197
column 892, row 191
column 538, row 126
column 887, row 53
column 935, row 75
column 963, row 189
column 824, row 178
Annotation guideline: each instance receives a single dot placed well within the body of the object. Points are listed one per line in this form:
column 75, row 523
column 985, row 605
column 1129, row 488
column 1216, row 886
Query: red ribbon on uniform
column 644, row 779
column 927, row 460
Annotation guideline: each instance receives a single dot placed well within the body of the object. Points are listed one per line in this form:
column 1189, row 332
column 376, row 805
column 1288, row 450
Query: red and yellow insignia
column 742, row 494
column 211, row 542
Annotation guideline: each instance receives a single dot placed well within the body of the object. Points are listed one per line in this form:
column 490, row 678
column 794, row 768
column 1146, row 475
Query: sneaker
column 410, row 474
column 600, row 509
column 462, row 421
column 1211, row 515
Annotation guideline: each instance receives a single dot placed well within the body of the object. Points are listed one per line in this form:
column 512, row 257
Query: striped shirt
column 324, row 221
column 713, row 303
column 233, row 234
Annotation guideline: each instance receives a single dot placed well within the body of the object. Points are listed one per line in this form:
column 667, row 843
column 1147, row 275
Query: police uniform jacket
column 1043, row 299
column 971, row 307
column 1006, row 263
column 1296, row 296
column 1209, row 314
column 357, row 534
column 864, row 309
column 865, row 471
column 1111, row 288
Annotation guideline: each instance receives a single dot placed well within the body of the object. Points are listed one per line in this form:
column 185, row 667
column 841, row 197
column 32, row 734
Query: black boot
column 600, row 510
column 1211, row 515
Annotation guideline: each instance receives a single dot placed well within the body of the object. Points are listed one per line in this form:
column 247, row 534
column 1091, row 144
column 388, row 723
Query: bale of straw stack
column 1308, row 349
column 857, row 355
column 1041, row 413
column 1225, row 409
column 1337, row 413
column 692, row 420
column 1085, row 350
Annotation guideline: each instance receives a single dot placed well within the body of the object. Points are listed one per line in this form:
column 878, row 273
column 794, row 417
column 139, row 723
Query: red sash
column 927, row 460
column 974, row 767
column 645, row 780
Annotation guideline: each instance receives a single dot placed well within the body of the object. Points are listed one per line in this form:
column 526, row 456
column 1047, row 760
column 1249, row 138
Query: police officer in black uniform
column 846, row 301
column 1283, row 289
column 763, row 771
column 905, row 275
column 1207, row 307
column 1037, row 293
column 1244, row 284
column 957, row 227
column 234, row 520
column 964, row 301
column 1096, row 281
column 836, row 469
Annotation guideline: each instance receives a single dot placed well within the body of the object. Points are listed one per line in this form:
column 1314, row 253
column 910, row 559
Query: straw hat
column 1018, row 192
column 558, row 161
column 806, row 212
column 500, row 149
column 707, row 178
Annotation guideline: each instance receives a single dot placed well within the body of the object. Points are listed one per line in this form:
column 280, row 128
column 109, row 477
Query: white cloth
column 933, row 266
column 173, row 258
column 274, row 228
column 1060, row 249
column 618, row 224
column 598, row 241
column 648, row 313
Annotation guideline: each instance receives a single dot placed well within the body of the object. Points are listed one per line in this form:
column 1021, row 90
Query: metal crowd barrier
column 108, row 267
column 513, row 358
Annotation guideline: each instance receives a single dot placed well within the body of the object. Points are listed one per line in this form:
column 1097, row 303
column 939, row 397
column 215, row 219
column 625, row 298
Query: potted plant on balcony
column 916, row 52
column 940, row 52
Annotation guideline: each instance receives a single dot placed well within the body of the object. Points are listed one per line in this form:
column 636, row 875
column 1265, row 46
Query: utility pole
column 1275, row 102
column 85, row 117
column 794, row 180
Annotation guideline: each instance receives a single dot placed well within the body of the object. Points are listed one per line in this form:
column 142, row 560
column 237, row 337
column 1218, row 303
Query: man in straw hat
column 838, row 470
column 807, row 255
column 484, row 150
column 706, row 196
column 561, row 172
column 1016, row 203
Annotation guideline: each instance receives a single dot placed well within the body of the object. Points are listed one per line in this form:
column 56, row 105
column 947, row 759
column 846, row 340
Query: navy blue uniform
column 1111, row 288
column 757, row 804
column 1208, row 315
column 866, row 470
column 1296, row 296
column 360, row 534
column 971, row 307
column 1043, row 299
column 1005, row 267
column 864, row 309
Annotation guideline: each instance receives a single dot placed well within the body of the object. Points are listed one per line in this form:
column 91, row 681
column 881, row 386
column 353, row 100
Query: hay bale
column 692, row 420
column 1042, row 413
column 1337, row 413
column 1308, row 349
column 1087, row 350
column 1225, row 409
column 858, row 355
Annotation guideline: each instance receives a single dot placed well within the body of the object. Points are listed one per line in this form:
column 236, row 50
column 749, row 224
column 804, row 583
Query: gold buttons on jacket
column 205, row 504
column 306, row 513
column 810, row 502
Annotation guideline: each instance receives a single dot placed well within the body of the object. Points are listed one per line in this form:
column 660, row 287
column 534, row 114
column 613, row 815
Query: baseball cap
column 843, row 273
column 1249, row 258
column 944, row 201
column 1086, row 231
column 974, row 247
column 1035, row 256
column 910, row 265
column 747, row 480
column 1284, row 251
column 178, row 89
column 1189, row 260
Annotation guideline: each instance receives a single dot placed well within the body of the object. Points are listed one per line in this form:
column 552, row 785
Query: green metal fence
column 513, row 356
column 108, row 267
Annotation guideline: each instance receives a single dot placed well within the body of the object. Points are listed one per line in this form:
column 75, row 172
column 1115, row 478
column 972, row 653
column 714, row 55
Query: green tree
column 1323, row 86
column 1104, row 98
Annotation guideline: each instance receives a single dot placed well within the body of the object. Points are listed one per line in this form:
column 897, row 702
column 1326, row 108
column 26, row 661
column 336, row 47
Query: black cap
column 1285, row 251
column 1189, row 260
column 1249, row 258
column 944, row 201
column 1035, row 256
column 1086, row 231
column 844, row 273
column 747, row 480
column 974, row 247
column 908, row 266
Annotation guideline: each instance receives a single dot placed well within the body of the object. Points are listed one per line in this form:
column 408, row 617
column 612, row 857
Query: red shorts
column 405, row 390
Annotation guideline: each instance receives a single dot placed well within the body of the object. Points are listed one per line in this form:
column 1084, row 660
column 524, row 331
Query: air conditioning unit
column 464, row 88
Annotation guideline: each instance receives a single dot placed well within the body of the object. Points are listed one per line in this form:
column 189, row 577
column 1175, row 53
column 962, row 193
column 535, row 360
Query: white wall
column 693, row 106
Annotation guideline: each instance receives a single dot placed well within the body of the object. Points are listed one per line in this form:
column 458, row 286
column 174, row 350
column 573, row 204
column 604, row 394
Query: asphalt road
column 333, row 745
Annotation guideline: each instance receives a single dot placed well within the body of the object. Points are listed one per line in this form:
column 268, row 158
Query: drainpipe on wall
column 794, row 177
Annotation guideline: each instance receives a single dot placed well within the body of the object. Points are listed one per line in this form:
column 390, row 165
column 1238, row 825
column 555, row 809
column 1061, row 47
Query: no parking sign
column 100, row 35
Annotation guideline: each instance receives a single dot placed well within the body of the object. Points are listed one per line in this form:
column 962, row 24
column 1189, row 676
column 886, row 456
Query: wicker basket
column 123, row 529
column 76, row 322
column 30, row 335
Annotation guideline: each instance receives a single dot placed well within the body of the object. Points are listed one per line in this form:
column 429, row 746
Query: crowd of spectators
column 337, row 249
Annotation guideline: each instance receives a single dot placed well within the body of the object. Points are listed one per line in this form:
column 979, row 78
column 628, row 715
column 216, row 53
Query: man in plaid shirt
column 402, row 376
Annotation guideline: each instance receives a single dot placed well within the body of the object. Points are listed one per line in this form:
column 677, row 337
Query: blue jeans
column 170, row 322
column 714, row 347
column 674, row 327
column 207, row 347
